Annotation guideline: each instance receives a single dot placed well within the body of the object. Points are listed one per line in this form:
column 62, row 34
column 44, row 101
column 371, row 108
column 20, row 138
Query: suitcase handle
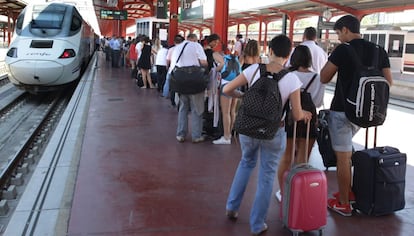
column 375, row 137
column 306, row 142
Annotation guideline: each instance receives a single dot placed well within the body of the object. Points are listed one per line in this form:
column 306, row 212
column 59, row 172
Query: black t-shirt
column 343, row 59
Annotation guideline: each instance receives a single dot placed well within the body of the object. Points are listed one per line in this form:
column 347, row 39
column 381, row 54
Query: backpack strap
column 181, row 53
column 357, row 59
column 277, row 76
column 310, row 82
column 263, row 70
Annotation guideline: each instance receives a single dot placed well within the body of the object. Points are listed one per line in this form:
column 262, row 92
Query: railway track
column 26, row 124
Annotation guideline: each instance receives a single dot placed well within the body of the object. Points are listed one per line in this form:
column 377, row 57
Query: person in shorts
column 340, row 128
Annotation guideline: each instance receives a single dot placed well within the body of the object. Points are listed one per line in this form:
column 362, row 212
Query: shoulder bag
column 188, row 79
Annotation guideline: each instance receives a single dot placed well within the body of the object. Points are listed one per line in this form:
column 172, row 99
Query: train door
column 152, row 27
column 393, row 41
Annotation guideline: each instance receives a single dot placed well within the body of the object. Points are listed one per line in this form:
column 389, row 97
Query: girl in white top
column 269, row 151
column 301, row 61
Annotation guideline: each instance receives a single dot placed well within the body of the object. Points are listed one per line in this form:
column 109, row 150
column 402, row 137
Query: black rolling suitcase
column 209, row 131
column 324, row 140
column 379, row 179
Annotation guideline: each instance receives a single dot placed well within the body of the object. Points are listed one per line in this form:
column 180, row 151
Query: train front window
column 47, row 20
column 48, row 16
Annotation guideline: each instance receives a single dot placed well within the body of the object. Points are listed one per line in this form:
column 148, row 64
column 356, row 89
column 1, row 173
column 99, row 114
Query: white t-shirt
column 288, row 84
column 316, row 89
column 169, row 56
column 319, row 56
column 192, row 53
column 138, row 49
column 238, row 47
column 161, row 58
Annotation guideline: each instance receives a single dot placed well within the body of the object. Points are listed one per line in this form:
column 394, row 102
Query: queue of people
column 308, row 66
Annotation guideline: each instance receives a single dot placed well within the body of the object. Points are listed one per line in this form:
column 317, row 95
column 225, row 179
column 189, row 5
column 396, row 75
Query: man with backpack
column 344, row 61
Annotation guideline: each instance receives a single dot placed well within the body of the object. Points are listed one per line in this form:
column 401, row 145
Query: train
column 51, row 46
column 152, row 27
column 409, row 52
column 398, row 43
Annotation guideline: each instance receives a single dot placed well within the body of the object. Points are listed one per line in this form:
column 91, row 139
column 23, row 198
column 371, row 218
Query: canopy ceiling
column 294, row 9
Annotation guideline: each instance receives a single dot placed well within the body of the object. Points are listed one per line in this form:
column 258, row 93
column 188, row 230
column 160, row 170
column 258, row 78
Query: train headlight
column 12, row 52
column 68, row 53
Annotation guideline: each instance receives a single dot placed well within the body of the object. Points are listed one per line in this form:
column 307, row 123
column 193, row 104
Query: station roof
column 11, row 7
column 304, row 9
column 295, row 9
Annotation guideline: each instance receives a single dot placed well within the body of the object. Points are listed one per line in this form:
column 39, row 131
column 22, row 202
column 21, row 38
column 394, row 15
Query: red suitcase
column 304, row 198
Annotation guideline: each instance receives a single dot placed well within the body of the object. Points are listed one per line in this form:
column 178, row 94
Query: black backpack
column 367, row 98
column 307, row 105
column 261, row 108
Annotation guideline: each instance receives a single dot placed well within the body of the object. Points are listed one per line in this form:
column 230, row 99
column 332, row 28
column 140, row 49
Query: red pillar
column 260, row 31
column 265, row 38
column 118, row 23
column 9, row 29
column 221, row 17
column 292, row 20
column 173, row 29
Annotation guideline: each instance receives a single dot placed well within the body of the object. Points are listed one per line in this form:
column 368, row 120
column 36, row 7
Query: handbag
column 188, row 79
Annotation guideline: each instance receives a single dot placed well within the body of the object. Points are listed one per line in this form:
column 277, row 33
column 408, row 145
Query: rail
column 3, row 70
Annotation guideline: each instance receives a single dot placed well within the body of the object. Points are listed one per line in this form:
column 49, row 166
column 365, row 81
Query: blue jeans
column 166, row 89
column 195, row 104
column 270, row 152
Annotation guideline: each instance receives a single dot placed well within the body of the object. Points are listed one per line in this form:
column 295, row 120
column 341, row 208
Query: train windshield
column 48, row 17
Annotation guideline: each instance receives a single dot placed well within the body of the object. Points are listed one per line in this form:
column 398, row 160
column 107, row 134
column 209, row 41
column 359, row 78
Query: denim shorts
column 221, row 91
column 341, row 131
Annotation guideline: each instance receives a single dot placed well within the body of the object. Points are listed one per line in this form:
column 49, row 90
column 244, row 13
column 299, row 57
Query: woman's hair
column 178, row 39
column 212, row 37
column 301, row 57
column 251, row 49
column 147, row 39
column 281, row 46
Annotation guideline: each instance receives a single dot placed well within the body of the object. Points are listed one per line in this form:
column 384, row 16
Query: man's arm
column 203, row 62
column 328, row 72
column 387, row 74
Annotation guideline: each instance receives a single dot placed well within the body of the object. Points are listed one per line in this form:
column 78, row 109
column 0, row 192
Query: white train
column 409, row 52
column 398, row 43
column 51, row 45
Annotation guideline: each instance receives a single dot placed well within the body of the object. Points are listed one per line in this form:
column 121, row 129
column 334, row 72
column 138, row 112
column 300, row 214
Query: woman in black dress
column 144, row 63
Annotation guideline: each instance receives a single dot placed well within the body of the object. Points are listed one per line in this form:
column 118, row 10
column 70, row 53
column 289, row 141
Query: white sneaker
column 222, row 140
column 278, row 195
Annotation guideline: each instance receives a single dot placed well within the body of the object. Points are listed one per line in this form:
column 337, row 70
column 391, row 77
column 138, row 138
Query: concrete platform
column 134, row 178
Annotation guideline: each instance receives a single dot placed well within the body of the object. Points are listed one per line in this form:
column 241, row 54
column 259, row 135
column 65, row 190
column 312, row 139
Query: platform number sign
column 186, row 4
column 162, row 9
